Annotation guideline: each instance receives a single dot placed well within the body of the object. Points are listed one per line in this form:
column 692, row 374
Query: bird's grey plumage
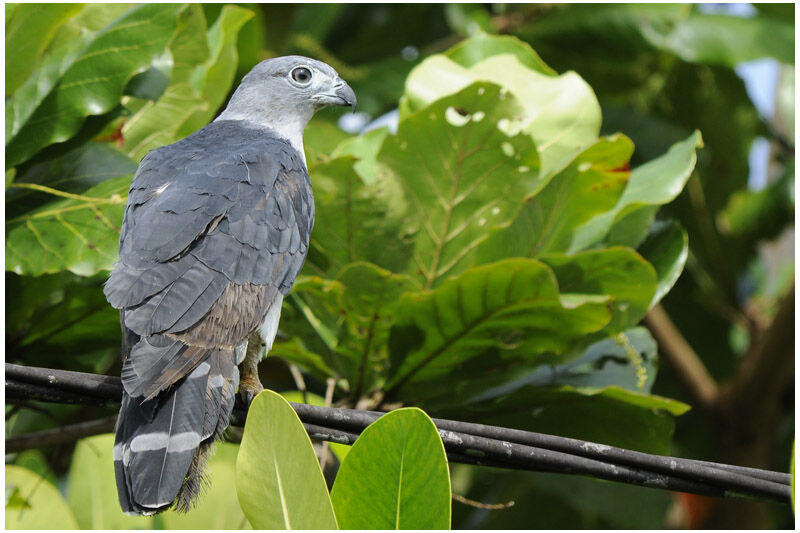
column 216, row 229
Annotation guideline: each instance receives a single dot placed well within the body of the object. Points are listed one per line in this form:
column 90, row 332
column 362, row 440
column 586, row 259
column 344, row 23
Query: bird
column 215, row 230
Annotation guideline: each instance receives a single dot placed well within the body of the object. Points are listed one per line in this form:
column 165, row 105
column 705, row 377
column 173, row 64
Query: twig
column 481, row 505
column 490, row 446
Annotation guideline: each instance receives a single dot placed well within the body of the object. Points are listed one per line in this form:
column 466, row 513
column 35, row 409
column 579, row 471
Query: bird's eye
column 301, row 75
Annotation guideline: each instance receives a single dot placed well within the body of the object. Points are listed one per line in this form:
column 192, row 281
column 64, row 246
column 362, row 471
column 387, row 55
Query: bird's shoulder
column 227, row 149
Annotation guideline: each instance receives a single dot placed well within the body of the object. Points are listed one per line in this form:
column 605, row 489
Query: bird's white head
column 283, row 94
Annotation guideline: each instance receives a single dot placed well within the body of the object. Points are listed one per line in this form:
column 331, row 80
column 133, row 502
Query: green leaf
column 94, row 82
column 589, row 186
column 395, row 476
column 70, row 39
column 205, row 64
column 729, row 40
column 217, row 507
column 762, row 214
column 278, row 479
column 33, row 503
column 365, row 148
column 497, row 314
column 666, row 248
column 78, row 234
column 320, row 139
column 607, row 415
column 370, row 301
column 28, row 33
column 92, row 490
column 561, row 113
column 462, row 175
column 354, row 220
column 652, row 184
column 628, row 361
column 481, row 46
column 617, row 272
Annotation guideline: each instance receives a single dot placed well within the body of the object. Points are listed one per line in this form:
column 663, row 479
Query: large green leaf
column 561, row 113
column 652, row 184
column 479, row 324
column 462, row 175
column 617, row 272
column 79, row 233
column 28, row 33
column 278, row 479
column 355, row 221
column 589, row 186
column 395, row 476
column 370, row 302
column 482, row 46
column 350, row 319
column 204, row 66
column 64, row 48
column 92, row 490
column 33, row 503
column 94, row 81
column 666, row 248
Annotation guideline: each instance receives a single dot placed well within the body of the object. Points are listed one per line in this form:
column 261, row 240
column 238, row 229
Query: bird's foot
column 249, row 386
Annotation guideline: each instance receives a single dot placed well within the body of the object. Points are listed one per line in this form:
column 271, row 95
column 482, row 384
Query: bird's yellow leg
column 249, row 383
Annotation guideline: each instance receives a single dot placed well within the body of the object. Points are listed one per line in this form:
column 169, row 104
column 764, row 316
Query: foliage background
column 658, row 73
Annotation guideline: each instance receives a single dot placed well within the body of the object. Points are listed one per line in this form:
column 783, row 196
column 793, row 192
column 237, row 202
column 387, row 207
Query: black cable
column 464, row 442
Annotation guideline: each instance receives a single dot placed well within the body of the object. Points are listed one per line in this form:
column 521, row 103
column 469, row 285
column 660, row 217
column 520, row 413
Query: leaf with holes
column 79, row 233
column 589, row 186
column 395, row 476
column 94, row 82
column 561, row 112
column 502, row 313
column 278, row 478
column 462, row 175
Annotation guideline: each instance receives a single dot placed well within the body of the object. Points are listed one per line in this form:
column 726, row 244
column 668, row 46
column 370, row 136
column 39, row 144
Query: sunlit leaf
column 395, row 476
column 33, row 503
column 278, row 479
column 92, row 490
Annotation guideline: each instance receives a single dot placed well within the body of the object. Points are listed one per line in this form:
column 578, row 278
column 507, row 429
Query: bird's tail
column 162, row 443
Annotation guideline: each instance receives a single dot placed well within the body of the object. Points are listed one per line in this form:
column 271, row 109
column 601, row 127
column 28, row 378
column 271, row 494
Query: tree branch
column 464, row 442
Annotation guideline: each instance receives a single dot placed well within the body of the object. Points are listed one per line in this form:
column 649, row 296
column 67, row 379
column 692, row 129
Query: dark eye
column 301, row 75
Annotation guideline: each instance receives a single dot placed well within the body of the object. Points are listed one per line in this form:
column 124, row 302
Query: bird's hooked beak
column 342, row 95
